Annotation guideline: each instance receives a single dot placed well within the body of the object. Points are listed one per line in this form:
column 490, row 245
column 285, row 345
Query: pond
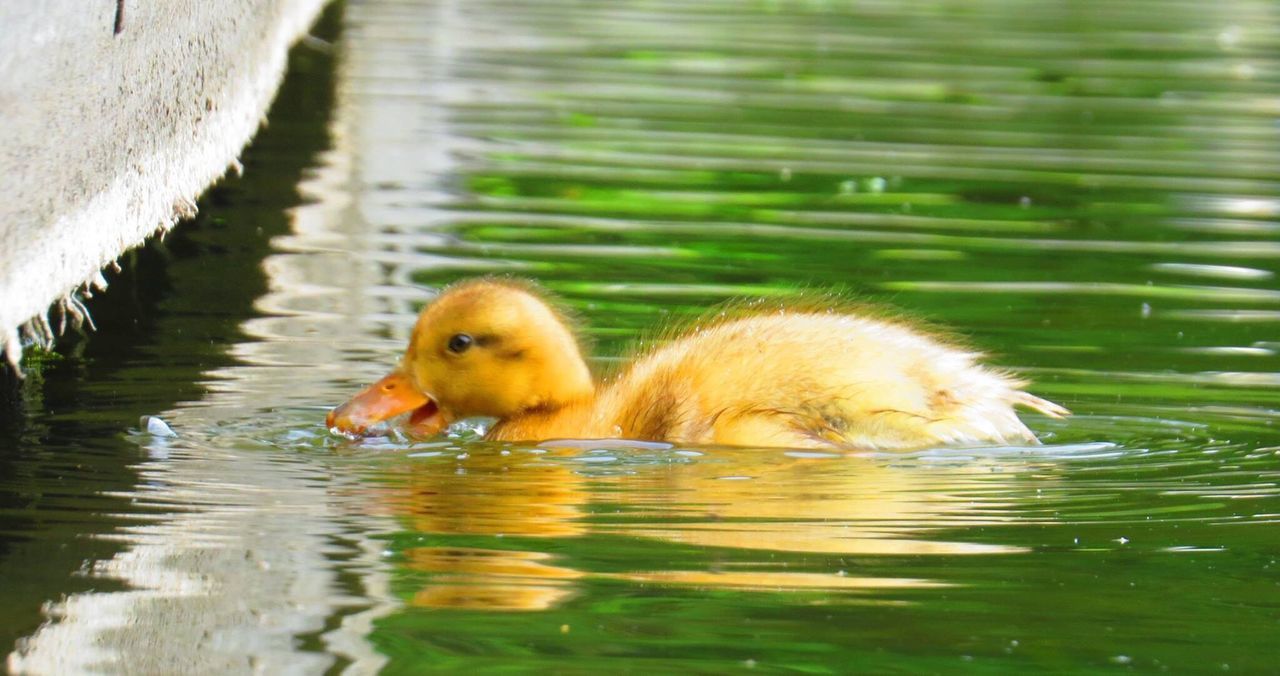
column 1086, row 190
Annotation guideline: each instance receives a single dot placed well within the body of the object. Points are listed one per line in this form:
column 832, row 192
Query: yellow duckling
column 781, row 377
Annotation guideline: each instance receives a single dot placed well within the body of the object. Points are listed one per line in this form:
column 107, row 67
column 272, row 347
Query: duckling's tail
column 1044, row 406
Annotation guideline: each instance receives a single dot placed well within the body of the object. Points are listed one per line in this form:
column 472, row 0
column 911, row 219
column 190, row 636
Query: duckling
column 778, row 378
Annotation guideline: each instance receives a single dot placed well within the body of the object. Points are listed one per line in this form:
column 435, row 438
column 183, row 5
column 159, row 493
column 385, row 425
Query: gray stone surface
column 107, row 138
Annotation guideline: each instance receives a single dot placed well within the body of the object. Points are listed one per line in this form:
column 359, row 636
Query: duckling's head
column 488, row 347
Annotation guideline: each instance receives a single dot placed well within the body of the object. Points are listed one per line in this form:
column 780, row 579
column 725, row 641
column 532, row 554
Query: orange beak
column 386, row 399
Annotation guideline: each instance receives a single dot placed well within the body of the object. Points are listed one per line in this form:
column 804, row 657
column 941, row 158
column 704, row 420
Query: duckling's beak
column 392, row 396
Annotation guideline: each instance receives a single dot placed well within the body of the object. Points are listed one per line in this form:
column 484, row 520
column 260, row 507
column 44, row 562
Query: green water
column 1085, row 190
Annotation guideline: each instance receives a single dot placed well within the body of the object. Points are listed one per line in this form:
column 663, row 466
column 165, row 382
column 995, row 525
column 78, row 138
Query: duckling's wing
column 772, row 428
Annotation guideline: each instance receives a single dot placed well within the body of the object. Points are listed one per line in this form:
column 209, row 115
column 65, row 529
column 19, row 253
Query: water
column 1087, row 191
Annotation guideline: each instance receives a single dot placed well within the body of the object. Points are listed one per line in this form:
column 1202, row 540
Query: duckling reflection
column 724, row 499
column 506, row 497
column 835, row 505
column 490, row 579
column 487, row 493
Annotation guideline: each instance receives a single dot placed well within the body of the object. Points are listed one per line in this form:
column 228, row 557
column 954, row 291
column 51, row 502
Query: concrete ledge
column 108, row 137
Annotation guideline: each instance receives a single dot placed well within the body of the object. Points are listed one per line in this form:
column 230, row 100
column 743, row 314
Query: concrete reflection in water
column 235, row 565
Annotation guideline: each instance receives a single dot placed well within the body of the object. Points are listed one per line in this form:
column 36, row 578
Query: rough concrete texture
column 107, row 137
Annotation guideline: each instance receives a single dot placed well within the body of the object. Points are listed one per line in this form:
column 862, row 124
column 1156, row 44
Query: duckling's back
column 817, row 380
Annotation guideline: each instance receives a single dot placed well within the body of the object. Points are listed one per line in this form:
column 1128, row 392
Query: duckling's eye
column 459, row 343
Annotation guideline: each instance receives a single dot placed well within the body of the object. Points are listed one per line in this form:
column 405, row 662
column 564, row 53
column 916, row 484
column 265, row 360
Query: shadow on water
column 168, row 315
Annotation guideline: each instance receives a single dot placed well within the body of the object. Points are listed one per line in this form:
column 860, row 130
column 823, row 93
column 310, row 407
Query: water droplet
column 156, row 427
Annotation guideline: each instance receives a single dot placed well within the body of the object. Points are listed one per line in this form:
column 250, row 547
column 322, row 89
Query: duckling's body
column 800, row 380
column 783, row 377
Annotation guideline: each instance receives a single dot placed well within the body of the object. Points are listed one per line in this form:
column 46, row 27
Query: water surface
column 1085, row 190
